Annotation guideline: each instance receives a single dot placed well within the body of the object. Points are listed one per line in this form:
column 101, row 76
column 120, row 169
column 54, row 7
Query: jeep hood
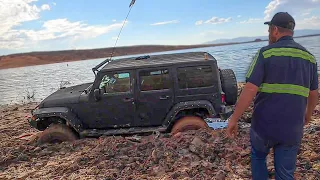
column 64, row 96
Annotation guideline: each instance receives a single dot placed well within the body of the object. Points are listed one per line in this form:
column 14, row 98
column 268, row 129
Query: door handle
column 128, row 99
column 164, row 97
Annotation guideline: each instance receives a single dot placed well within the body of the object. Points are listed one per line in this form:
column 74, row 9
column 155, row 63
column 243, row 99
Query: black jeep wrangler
column 160, row 93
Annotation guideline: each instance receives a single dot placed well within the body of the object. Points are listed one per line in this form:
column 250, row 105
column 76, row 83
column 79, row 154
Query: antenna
column 109, row 60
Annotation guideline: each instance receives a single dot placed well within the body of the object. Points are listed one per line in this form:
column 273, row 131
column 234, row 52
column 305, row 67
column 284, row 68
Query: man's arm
column 254, row 79
column 313, row 98
column 312, row 103
column 246, row 97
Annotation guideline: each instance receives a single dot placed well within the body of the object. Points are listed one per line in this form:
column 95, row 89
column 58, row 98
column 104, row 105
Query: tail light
column 223, row 97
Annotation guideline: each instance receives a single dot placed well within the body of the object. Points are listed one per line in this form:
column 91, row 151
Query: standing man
column 283, row 77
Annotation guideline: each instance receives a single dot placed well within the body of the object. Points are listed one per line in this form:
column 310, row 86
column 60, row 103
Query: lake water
column 17, row 84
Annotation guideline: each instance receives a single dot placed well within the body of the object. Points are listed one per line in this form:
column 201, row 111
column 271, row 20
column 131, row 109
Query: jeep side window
column 154, row 80
column 115, row 83
column 193, row 77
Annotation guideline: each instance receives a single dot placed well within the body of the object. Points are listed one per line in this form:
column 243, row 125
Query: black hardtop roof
column 158, row 60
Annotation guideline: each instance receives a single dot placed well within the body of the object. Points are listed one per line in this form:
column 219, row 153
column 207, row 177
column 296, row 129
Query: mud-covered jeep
column 160, row 93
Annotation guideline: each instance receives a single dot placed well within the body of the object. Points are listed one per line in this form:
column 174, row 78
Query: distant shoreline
column 50, row 57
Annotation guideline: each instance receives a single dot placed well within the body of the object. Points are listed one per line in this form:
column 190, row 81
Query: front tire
column 57, row 133
column 188, row 123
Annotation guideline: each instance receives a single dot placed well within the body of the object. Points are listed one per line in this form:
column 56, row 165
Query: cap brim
column 269, row 22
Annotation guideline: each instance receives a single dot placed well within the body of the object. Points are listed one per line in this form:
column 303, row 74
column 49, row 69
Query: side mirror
column 97, row 95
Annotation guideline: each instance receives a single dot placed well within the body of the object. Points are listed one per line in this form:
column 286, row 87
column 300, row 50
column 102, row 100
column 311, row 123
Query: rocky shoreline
column 202, row 154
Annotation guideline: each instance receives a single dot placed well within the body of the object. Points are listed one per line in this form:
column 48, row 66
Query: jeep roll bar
column 95, row 69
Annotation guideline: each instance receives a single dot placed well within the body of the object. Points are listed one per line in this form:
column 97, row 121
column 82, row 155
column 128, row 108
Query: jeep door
column 116, row 106
column 155, row 96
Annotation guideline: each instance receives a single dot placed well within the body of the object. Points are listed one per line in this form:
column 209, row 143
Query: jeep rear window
column 193, row 77
column 154, row 80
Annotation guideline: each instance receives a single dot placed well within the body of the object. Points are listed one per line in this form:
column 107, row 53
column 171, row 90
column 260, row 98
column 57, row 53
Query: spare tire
column 229, row 85
column 56, row 133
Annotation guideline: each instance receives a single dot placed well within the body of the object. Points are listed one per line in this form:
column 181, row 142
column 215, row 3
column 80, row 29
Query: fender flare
column 169, row 120
column 63, row 113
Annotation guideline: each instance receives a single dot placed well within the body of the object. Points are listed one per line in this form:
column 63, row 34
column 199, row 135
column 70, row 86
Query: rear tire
column 229, row 86
column 56, row 133
column 188, row 123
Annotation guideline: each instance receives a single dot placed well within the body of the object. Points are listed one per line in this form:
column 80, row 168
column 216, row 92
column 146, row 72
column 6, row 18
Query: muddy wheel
column 56, row 133
column 188, row 123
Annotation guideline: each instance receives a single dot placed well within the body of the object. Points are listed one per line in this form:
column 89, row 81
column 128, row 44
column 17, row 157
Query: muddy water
column 36, row 82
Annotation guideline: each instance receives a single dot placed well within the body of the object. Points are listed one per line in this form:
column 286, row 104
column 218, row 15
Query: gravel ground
column 202, row 154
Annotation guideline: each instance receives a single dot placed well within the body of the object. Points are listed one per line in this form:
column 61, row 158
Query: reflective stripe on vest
column 289, row 52
column 253, row 64
column 284, row 88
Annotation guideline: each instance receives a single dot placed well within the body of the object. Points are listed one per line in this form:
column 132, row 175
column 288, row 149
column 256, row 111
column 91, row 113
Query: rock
column 37, row 149
column 197, row 142
column 193, row 149
column 22, row 157
column 175, row 175
column 134, row 139
column 207, row 164
column 154, row 156
column 157, row 171
column 221, row 175
column 196, row 145
column 231, row 156
column 177, row 135
column 245, row 153
column 315, row 157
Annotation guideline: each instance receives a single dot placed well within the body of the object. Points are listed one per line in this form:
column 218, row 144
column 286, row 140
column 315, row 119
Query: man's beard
column 272, row 39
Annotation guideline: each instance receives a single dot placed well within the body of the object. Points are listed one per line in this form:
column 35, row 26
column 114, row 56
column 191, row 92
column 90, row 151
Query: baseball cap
column 282, row 19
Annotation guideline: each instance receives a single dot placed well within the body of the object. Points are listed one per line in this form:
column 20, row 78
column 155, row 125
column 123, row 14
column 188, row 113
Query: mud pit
column 193, row 155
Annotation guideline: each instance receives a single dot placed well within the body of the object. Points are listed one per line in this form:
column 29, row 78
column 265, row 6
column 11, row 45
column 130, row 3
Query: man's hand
column 307, row 120
column 312, row 103
column 246, row 97
column 232, row 129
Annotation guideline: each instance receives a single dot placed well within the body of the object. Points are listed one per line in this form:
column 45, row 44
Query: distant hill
column 303, row 32
column 48, row 57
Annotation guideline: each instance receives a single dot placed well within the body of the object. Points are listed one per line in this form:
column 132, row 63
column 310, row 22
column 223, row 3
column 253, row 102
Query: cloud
column 309, row 23
column 239, row 16
column 214, row 20
column 54, row 3
column 165, row 22
column 299, row 9
column 290, row 6
column 63, row 28
column 114, row 20
column 251, row 20
column 14, row 13
column 45, row 7
column 306, row 14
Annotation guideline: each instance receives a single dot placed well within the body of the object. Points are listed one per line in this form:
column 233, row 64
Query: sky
column 46, row 25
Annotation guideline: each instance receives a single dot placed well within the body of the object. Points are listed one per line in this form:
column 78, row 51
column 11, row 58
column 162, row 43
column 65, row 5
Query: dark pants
column 285, row 157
